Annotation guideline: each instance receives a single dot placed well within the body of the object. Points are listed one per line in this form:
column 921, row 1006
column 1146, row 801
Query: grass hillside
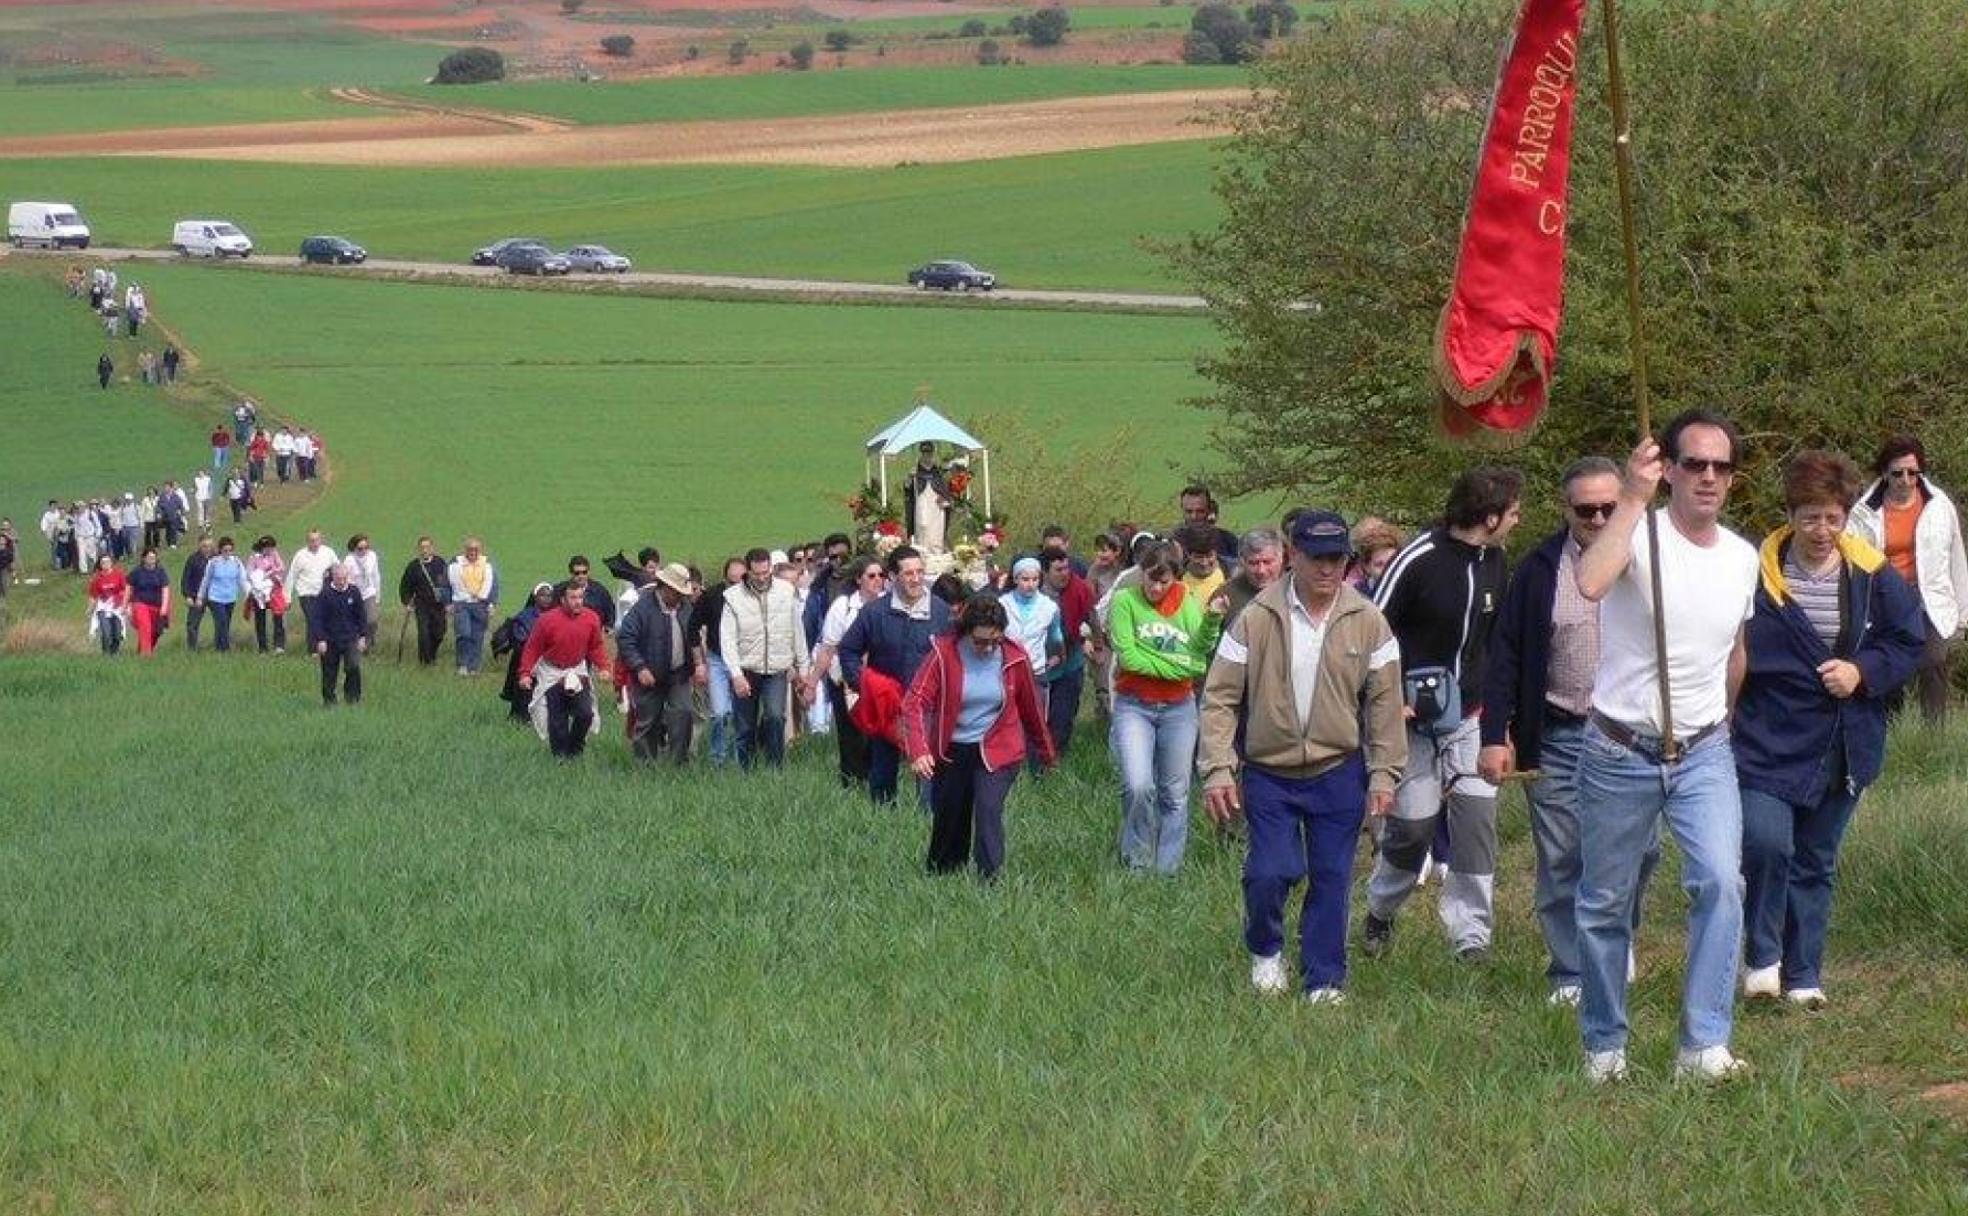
column 262, row 958
column 1066, row 220
column 558, row 423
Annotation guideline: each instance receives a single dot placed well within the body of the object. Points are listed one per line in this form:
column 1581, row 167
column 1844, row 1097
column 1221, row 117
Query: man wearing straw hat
column 1636, row 769
column 653, row 644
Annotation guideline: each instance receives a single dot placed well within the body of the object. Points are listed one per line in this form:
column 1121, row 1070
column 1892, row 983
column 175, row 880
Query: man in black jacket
column 1537, row 691
column 594, row 597
column 425, row 589
column 341, row 634
column 188, row 585
column 1440, row 595
column 653, row 643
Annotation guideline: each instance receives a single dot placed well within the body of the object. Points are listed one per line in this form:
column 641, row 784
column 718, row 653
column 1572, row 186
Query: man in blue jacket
column 341, row 634
column 892, row 636
column 1537, row 692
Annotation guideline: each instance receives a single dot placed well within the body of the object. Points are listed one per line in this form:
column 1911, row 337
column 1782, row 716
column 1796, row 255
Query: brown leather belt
column 1651, row 745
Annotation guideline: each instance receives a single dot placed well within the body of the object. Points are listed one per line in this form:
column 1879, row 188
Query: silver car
column 596, row 259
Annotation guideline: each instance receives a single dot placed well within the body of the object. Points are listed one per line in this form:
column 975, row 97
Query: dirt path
column 444, row 137
column 509, row 119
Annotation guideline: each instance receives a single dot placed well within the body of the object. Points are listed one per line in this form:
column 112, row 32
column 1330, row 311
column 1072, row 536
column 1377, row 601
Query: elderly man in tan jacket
column 1304, row 666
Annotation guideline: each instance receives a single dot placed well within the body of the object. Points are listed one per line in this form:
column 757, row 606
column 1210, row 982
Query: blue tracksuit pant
column 1303, row 829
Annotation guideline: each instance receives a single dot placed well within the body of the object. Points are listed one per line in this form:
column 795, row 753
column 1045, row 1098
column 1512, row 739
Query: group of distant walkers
column 1322, row 679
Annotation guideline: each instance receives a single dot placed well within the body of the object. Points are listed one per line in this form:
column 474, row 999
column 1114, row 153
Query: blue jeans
column 1303, row 829
column 1625, row 794
column 1155, row 746
column 1555, row 833
column 724, row 739
column 1063, row 709
column 1789, row 858
column 468, row 626
column 762, row 719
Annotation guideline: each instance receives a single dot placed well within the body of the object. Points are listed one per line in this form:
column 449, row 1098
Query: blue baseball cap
column 1321, row 534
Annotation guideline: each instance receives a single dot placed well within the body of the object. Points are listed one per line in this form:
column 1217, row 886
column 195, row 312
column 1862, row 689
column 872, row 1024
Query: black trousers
column 307, row 603
column 570, row 716
column 664, row 718
column 430, row 630
column 221, row 626
column 853, row 744
column 260, row 619
column 967, row 812
column 344, row 660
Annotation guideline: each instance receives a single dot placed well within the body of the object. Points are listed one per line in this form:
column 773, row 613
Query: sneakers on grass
column 1605, row 1067
column 1565, row 996
column 1763, row 983
column 1268, row 974
column 1709, row 1064
column 1376, row 936
column 1808, row 998
column 1324, row 996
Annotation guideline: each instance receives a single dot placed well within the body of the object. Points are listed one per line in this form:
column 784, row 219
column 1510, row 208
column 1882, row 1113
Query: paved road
column 792, row 288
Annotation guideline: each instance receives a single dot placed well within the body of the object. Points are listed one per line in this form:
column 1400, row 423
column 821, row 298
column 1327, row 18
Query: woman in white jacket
column 1909, row 519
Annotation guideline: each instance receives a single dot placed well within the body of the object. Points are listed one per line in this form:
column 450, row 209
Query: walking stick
column 402, row 628
column 1637, row 345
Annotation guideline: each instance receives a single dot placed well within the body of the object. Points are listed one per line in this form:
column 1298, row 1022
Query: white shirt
column 201, row 487
column 303, row 446
column 366, row 572
column 1308, row 639
column 1030, row 625
column 283, row 444
column 1709, row 592
column 50, row 520
column 308, row 569
column 834, row 626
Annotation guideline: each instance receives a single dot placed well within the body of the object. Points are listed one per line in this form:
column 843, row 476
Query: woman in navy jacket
column 1834, row 633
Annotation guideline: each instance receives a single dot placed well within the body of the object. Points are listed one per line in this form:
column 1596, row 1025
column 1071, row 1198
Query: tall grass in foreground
column 263, row 957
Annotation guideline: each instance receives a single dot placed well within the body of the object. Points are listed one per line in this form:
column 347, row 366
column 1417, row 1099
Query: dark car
column 333, row 250
column 533, row 259
column 489, row 255
column 953, row 276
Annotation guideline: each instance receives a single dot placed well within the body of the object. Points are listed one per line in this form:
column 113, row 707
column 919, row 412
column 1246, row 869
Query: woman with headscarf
column 1833, row 634
column 266, row 593
column 510, row 637
column 150, row 599
column 1032, row 620
column 109, row 604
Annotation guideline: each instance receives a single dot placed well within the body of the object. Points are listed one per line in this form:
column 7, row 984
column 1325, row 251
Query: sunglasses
column 1903, row 474
column 1594, row 510
column 1698, row 466
column 984, row 643
column 873, row 575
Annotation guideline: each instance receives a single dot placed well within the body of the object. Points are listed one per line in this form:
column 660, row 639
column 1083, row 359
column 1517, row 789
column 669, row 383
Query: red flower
column 959, row 482
column 888, row 527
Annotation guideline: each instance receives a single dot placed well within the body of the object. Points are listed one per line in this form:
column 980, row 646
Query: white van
column 54, row 225
column 210, row 239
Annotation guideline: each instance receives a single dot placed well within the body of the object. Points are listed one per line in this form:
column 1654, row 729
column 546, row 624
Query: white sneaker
column 1268, row 974
column 1808, row 998
column 1605, row 1067
column 1427, row 870
column 1565, row 996
column 1325, row 996
column 1763, row 983
column 1632, row 965
column 1709, row 1064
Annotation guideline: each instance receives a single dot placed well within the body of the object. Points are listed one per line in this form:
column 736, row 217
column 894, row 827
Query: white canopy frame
column 923, row 424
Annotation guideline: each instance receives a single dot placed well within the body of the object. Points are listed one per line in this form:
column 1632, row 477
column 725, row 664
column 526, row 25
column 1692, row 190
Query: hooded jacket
column 1940, row 564
column 1359, row 683
column 1786, row 724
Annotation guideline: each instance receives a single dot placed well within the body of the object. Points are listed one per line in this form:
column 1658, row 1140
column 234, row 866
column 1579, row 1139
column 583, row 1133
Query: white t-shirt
column 1709, row 593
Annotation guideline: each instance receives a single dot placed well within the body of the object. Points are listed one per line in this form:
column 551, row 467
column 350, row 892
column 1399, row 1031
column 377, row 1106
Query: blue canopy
column 921, row 424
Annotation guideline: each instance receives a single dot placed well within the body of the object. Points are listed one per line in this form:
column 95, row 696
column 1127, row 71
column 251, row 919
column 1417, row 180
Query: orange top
column 1900, row 522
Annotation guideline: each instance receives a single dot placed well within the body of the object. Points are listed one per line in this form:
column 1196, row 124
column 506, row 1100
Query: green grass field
column 261, row 958
column 242, row 67
column 859, row 89
column 556, row 423
column 1065, row 220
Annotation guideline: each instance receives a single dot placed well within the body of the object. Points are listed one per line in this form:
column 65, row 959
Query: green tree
column 838, row 40
column 1804, row 232
column 472, row 65
column 1271, row 19
column 1225, row 27
column 1199, row 49
column 801, row 56
column 973, row 28
column 989, row 53
column 619, row 45
column 1047, row 26
column 570, row 7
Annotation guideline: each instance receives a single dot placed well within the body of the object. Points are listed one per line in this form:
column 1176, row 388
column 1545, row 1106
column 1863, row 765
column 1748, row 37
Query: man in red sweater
column 564, row 652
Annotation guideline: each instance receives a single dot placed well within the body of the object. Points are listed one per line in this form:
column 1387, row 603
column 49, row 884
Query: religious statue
column 926, row 495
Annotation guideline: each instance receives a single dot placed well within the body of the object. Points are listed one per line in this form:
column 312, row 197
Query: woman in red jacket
column 969, row 715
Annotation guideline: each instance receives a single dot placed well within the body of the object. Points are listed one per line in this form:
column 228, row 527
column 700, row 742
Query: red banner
column 1498, row 341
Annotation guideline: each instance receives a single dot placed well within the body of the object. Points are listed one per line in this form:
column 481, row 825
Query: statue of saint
column 926, row 495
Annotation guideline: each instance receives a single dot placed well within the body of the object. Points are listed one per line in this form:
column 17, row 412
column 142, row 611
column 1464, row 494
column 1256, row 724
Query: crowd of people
column 1321, row 679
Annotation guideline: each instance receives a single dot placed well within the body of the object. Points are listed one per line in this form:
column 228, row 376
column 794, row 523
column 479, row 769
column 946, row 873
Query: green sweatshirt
column 1160, row 651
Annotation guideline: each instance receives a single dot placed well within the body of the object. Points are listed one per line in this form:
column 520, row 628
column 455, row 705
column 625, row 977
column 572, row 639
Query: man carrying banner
column 1630, row 776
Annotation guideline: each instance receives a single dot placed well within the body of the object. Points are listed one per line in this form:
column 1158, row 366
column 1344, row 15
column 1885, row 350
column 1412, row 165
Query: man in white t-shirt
column 1629, row 777
column 201, row 496
column 307, row 573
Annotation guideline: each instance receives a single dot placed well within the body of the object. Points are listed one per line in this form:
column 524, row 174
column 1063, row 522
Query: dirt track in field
column 449, row 138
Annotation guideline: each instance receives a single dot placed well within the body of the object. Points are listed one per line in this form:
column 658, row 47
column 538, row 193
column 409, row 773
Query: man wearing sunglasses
column 1537, row 691
column 1629, row 776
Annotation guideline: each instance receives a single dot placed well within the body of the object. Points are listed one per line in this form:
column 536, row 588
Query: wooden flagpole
column 1637, row 344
